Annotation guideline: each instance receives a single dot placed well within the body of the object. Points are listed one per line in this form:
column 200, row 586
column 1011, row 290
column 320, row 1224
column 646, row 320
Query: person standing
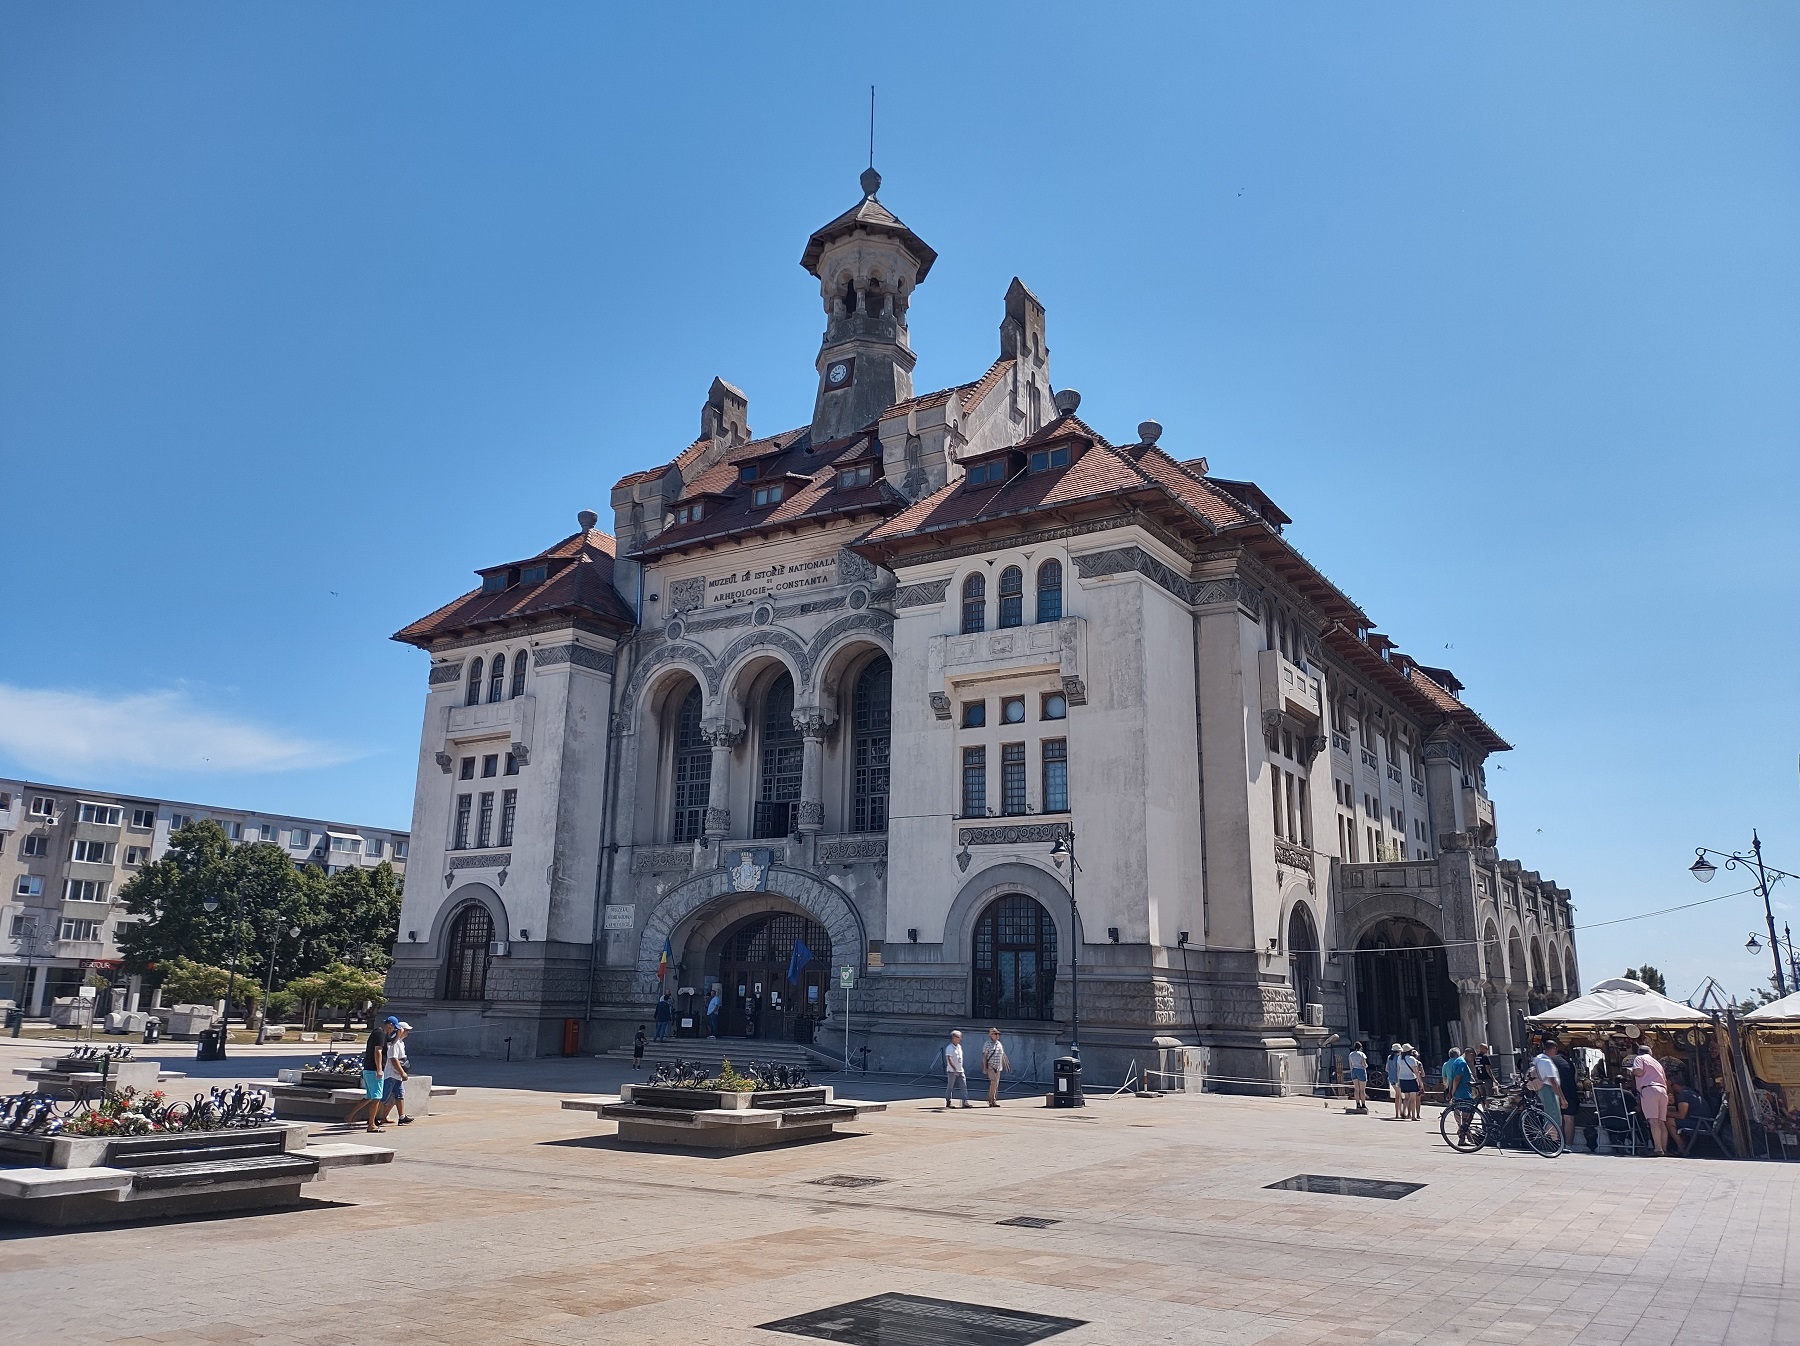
column 1653, row 1094
column 637, row 1049
column 1359, row 1078
column 1571, row 1093
column 394, row 1071
column 665, row 1011
column 993, row 1065
column 1459, row 1089
column 1546, row 1082
column 1486, row 1085
column 373, row 1062
column 955, row 1081
column 1393, row 1079
column 1412, row 1081
column 712, row 1014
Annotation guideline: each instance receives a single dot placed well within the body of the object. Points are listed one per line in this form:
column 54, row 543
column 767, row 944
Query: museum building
column 863, row 701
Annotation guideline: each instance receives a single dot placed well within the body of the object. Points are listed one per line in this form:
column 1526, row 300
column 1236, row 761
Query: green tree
column 1650, row 977
column 186, row 982
column 364, row 908
column 341, row 987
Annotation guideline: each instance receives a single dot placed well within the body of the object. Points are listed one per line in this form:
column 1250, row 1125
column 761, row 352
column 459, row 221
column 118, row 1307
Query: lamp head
column 1753, row 944
column 211, row 904
column 1703, row 869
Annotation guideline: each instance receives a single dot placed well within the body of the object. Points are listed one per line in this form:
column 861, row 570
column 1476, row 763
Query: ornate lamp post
column 1064, row 849
column 1703, row 869
column 262, row 1028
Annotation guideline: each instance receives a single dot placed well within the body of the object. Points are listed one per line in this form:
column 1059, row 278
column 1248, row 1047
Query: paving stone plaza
column 507, row 1219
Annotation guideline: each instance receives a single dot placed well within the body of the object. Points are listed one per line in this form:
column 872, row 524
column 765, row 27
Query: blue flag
column 801, row 957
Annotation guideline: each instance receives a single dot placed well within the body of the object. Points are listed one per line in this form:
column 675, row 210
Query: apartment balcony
column 89, row 949
column 1288, row 689
column 1056, row 649
column 1478, row 813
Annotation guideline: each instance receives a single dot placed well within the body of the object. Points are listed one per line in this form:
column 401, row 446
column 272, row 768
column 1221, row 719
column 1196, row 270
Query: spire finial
column 871, row 180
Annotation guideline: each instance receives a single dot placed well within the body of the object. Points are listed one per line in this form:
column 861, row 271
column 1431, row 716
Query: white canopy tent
column 1784, row 1010
column 1620, row 1000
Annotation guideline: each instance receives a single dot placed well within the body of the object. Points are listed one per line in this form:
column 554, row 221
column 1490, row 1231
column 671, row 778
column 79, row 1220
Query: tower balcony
column 1287, row 688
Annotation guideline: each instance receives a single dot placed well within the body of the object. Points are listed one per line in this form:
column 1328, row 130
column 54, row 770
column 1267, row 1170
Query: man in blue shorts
column 374, row 1061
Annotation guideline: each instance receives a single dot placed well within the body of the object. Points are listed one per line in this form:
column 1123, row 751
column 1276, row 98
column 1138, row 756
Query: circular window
column 1056, row 706
column 1012, row 710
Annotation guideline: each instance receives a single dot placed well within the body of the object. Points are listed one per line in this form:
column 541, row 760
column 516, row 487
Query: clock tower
column 867, row 263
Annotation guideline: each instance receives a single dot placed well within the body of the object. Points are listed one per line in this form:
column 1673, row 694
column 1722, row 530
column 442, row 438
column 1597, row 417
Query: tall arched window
column 471, row 934
column 693, row 771
column 1015, row 960
column 872, row 716
column 497, row 683
column 1303, row 958
column 1012, row 597
column 1049, row 591
column 974, row 603
column 518, row 687
column 474, row 696
column 781, row 754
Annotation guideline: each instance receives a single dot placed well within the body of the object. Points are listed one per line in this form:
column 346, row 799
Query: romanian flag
column 662, row 964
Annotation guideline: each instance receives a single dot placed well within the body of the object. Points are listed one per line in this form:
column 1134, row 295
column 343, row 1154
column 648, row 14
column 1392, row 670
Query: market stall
column 1771, row 1039
column 1607, row 1024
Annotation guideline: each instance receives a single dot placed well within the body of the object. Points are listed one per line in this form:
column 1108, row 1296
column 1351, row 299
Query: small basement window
column 1044, row 459
column 860, row 475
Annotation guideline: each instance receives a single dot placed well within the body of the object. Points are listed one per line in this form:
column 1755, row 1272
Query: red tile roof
column 580, row 584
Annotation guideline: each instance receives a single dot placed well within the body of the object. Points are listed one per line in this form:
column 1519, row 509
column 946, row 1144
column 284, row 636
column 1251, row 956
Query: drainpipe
column 625, row 650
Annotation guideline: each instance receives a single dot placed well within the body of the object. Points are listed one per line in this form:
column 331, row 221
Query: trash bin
column 152, row 1029
column 1067, row 1076
column 15, row 1020
column 211, row 1045
column 571, row 1037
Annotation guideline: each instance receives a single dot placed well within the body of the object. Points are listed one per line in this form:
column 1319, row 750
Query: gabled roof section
column 578, row 583
column 811, row 494
column 869, row 214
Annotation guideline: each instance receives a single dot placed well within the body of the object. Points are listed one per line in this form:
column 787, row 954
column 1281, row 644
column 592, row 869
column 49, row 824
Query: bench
column 82, row 1180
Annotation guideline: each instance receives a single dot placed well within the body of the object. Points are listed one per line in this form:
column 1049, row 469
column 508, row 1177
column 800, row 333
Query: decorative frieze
column 1017, row 834
column 848, row 850
column 580, row 656
column 921, row 595
column 686, row 595
column 661, row 859
column 724, row 623
column 1287, row 853
column 446, row 672
column 940, row 705
column 482, row 860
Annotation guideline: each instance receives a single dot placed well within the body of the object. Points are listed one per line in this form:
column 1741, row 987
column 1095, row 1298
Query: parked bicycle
column 1466, row 1126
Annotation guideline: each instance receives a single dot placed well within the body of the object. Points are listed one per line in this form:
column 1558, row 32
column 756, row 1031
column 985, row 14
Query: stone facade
column 944, row 687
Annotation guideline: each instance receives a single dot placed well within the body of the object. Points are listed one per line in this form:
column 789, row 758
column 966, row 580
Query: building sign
column 621, row 917
column 780, row 578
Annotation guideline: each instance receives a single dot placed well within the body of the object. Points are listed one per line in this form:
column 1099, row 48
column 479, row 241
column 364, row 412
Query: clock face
column 839, row 372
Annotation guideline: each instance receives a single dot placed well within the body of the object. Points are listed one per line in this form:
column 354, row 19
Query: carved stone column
column 813, row 724
column 722, row 737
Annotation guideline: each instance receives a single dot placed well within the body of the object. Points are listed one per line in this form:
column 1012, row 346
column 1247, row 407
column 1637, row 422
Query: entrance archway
column 1403, row 987
column 775, row 969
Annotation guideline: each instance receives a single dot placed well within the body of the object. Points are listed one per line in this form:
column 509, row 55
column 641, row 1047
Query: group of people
column 384, row 1074
column 1405, row 1077
column 993, row 1064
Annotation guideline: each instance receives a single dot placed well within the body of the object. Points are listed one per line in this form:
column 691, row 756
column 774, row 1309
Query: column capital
column 813, row 721
column 725, row 734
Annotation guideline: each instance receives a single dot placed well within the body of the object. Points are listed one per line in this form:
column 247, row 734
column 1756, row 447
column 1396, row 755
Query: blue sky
column 307, row 311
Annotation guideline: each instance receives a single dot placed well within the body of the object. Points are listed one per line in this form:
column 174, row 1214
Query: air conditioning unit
column 499, row 948
column 1315, row 1016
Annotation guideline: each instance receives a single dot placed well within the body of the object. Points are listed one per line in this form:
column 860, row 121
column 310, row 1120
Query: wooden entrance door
column 759, row 1000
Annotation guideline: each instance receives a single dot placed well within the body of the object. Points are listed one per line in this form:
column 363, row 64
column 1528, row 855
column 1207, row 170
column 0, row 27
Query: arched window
column 1050, row 592
column 872, row 715
column 1015, row 960
column 1012, row 597
column 474, row 696
column 471, row 934
column 1303, row 958
column 781, row 754
column 693, row 771
column 518, row 687
column 974, row 603
column 497, row 683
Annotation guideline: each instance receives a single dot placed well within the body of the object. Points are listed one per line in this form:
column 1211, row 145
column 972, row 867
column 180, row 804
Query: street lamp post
column 262, row 1028
column 1064, row 849
column 1704, row 869
column 237, row 949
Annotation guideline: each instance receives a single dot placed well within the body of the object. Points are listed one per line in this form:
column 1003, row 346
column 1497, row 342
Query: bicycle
column 1467, row 1125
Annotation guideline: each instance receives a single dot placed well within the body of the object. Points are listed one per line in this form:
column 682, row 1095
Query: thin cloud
column 56, row 731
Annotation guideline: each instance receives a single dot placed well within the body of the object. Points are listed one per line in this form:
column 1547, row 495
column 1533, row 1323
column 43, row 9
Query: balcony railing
column 1418, row 787
column 1341, row 742
column 1393, row 773
column 1369, row 760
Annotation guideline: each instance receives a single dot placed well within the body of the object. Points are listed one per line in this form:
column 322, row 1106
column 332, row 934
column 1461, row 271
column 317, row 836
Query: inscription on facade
column 780, row 578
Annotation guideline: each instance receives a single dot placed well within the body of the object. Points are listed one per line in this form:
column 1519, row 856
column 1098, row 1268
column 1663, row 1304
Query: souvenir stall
column 1602, row 1030
column 1771, row 1043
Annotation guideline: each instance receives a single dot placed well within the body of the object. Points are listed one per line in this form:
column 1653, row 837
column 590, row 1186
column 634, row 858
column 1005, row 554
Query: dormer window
column 689, row 513
column 1044, row 459
column 766, row 495
column 747, row 472
column 860, row 475
column 493, row 584
column 534, row 574
column 987, row 474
